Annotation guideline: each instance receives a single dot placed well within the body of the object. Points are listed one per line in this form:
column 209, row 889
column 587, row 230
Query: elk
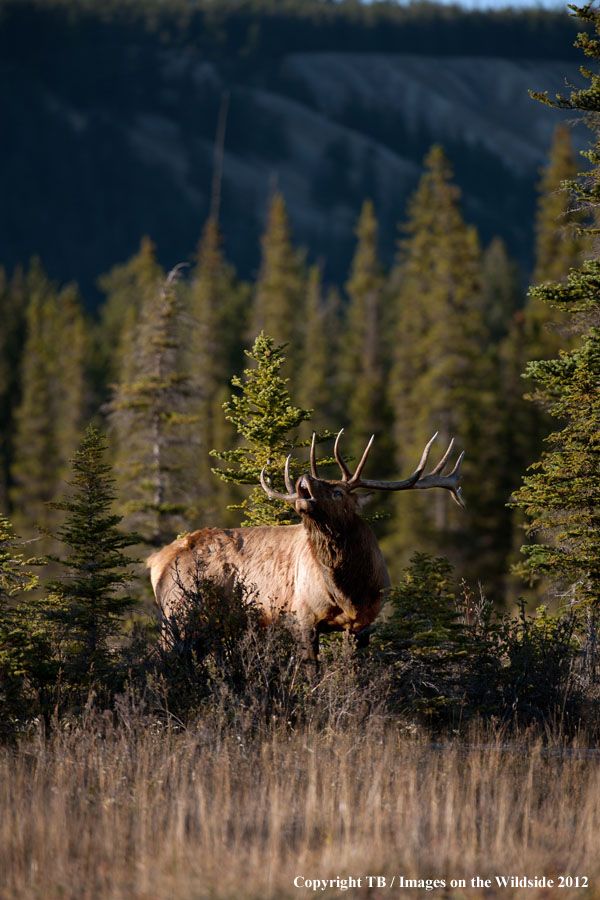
column 328, row 571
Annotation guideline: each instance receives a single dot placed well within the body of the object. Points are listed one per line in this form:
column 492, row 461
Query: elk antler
column 276, row 495
column 313, row 457
column 417, row 480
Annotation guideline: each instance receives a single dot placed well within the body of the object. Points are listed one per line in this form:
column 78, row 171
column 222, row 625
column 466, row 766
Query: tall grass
column 144, row 812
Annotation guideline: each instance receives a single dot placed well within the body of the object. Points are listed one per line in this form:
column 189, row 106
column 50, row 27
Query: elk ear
column 364, row 499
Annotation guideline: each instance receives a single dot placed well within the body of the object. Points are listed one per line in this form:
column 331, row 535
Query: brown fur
column 328, row 571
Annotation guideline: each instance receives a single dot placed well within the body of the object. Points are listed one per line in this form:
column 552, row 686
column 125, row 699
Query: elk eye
column 337, row 494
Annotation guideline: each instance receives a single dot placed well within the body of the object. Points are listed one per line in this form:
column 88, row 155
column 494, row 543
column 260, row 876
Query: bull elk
column 328, row 571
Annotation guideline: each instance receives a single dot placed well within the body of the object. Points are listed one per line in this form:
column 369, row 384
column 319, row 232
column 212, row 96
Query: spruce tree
column 316, row 384
column 558, row 243
column 54, row 398
column 263, row 414
column 362, row 360
column 36, row 462
column 12, row 337
column 559, row 246
column 281, row 283
column 561, row 495
column 443, row 378
column 502, row 292
column 15, row 634
column 128, row 286
column 87, row 600
column 215, row 303
column 154, row 430
column 70, row 383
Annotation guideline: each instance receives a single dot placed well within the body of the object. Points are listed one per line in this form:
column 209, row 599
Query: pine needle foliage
column 559, row 243
column 264, row 415
column 561, row 493
column 88, row 598
column 149, row 413
column 16, row 579
column 362, row 359
column 280, row 286
column 443, row 377
column 216, row 305
column 49, row 417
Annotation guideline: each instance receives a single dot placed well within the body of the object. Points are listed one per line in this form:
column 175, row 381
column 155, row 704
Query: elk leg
column 362, row 638
column 310, row 644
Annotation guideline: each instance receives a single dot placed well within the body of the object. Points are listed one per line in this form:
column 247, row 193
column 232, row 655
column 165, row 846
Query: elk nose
column 303, row 488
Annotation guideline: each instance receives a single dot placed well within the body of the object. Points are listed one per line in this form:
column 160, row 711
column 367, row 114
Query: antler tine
column 359, row 468
column 288, row 481
column 313, row 457
column 409, row 482
column 440, row 466
column 275, row 495
column 435, row 478
column 423, row 461
column 346, row 473
column 450, row 482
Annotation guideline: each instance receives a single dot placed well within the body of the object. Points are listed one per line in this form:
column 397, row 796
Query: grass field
column 141, row 812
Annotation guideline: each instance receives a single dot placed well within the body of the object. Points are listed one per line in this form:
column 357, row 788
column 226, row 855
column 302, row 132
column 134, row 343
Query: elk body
column 328, row 571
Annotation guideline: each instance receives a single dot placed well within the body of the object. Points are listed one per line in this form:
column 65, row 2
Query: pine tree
column 558, row 243
column 559, row 247
column 502, row 292
column 36, row 464
column 54, row 398
column 128, row 287
column 443, row 378
column 15, row 637
column 12, row 338
column 281, row 283
column 71, row 401
column 263, row 414
column 154, row 430
column 88, row 599
column 362, row 361
column 217, row 321
column 315, row 381
column 561, row 496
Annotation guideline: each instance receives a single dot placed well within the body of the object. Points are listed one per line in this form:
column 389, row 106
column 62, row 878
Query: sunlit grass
column 144, row 812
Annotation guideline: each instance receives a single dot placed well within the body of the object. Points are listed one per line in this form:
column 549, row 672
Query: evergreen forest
column 166, row 391
column 153, row 414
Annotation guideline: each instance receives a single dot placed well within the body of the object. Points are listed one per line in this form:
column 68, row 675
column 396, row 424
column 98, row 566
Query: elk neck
column 350, row 561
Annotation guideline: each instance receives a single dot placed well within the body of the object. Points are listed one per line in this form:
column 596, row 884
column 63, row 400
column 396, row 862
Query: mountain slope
column 109, row 140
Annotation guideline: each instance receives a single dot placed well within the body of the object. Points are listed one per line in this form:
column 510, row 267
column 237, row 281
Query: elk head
column 334, row 500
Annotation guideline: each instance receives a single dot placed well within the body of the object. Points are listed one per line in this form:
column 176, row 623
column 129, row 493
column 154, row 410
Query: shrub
column 453, row 658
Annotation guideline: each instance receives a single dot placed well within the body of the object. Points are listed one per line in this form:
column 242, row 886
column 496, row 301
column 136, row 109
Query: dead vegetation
column 142, row 810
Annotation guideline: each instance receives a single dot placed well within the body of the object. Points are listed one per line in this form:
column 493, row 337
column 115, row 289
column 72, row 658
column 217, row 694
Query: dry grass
column 144, row 812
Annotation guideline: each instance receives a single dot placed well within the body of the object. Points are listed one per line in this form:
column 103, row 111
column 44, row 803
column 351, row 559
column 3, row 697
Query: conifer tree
column 128, row 286
column 36, row 461
column 215, row 303
column 561, row 495
column 263, row 414
column 502, row 293
column 281, row 283
column 559, row 246
column 149, row 412
column 12, row 337
column 71, row 403
column 443, row 379
column 558, row 243
column 15, row 637
column 54, row 398
column 362, row 363
column 88, row 599
column 315, row 381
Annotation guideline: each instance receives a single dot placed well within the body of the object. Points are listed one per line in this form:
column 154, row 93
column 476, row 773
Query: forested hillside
column 110, row 113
